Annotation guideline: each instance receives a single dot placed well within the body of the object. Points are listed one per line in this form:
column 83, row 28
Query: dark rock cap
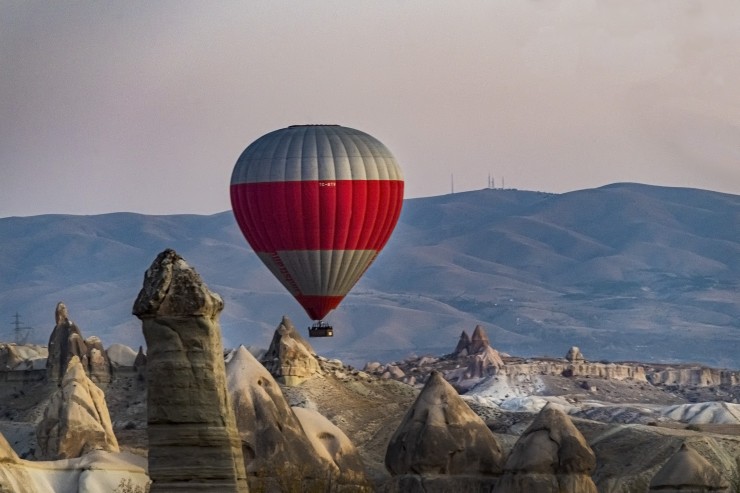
column 173, row 288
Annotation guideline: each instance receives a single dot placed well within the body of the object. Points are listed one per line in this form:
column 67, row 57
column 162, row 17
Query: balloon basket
column 320, row 329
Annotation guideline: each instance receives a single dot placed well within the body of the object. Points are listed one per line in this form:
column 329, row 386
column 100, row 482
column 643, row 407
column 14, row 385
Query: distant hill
column 625, row 271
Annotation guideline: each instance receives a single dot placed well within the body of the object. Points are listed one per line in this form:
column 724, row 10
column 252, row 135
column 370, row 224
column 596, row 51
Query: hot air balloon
column 317, row 203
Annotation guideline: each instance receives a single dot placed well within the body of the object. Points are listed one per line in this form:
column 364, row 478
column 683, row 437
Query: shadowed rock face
column 290, row 358
column 551, row 456
column 440, row 434
column 463, row 345
column 66, row 341
column 687, row 472
column 76, row 420
column 193, row 441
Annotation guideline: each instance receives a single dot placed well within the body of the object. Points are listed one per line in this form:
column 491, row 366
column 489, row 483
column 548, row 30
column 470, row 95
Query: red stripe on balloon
column 318, row 307
column 317, row 215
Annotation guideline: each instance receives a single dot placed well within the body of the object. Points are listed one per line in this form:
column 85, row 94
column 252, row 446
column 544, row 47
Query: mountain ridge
column 625, row 271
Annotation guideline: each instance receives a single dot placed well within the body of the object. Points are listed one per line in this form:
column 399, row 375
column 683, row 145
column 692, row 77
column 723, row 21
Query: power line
column 18, row 329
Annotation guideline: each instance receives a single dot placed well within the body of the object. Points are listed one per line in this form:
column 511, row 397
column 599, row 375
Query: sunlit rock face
column 688, row 472
column 273, row 441
column 441, row 436
column 290, row 358
column 332, row 446
column 76, row 420
column 551, row 456
column 97, row 471
column 66, row 341
column 285, row 447
column 193, row 441
column 13, row 475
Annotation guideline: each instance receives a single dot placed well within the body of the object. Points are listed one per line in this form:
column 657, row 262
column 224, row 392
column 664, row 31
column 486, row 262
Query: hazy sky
column 145, row 106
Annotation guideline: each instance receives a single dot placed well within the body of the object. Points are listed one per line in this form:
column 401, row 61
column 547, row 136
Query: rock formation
column 462, row 345
column 480, row 360
column 441, row 435
column 193, row 440
column 97, row 471
column 140, row 364
column 484, row 363
column 22, row 356
column 332, row 445
column 574, row 355
column 478, row 341
column 698, row 377
column 121, row 356
column 13, row 476
column 471, row 345
column 76, row 420
column 274, row 444
column 687, row 472
column 98, row 363
column 290, row 358
column 66, row 341
column 551, row 456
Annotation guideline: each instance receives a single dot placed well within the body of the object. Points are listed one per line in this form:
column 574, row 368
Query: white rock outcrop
column 98, row 471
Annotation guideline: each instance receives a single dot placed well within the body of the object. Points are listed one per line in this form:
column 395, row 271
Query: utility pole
column 18, row 329
column 452, row 183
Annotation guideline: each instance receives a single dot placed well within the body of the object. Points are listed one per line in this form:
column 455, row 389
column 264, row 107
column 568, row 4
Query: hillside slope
column 625, row 271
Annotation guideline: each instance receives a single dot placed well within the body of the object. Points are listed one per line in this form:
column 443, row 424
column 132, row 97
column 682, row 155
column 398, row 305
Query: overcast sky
column 145, row 106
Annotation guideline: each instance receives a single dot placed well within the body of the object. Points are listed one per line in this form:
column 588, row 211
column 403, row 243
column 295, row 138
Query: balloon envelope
column 317, row 203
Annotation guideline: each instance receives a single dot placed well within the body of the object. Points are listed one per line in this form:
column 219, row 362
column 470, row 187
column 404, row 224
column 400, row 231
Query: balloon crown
column 315, row 125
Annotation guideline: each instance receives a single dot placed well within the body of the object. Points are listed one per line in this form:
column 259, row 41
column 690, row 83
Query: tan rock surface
column 440, row 434
column 66, row 341
column 365, row 408
column 290, row 358
column 274, row 443
column 551, row 456
column 479, row 340
column 76, row 420
column 687, row 471
column 13, row 476
column 574, row 354
column 331, row 444
column 193, row 440
column 484, row 363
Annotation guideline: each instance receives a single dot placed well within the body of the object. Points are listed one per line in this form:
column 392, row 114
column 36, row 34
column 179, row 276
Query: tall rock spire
column 193, row 441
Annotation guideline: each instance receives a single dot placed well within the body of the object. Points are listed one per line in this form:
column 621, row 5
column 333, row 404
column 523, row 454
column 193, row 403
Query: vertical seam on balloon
column 331, row 195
